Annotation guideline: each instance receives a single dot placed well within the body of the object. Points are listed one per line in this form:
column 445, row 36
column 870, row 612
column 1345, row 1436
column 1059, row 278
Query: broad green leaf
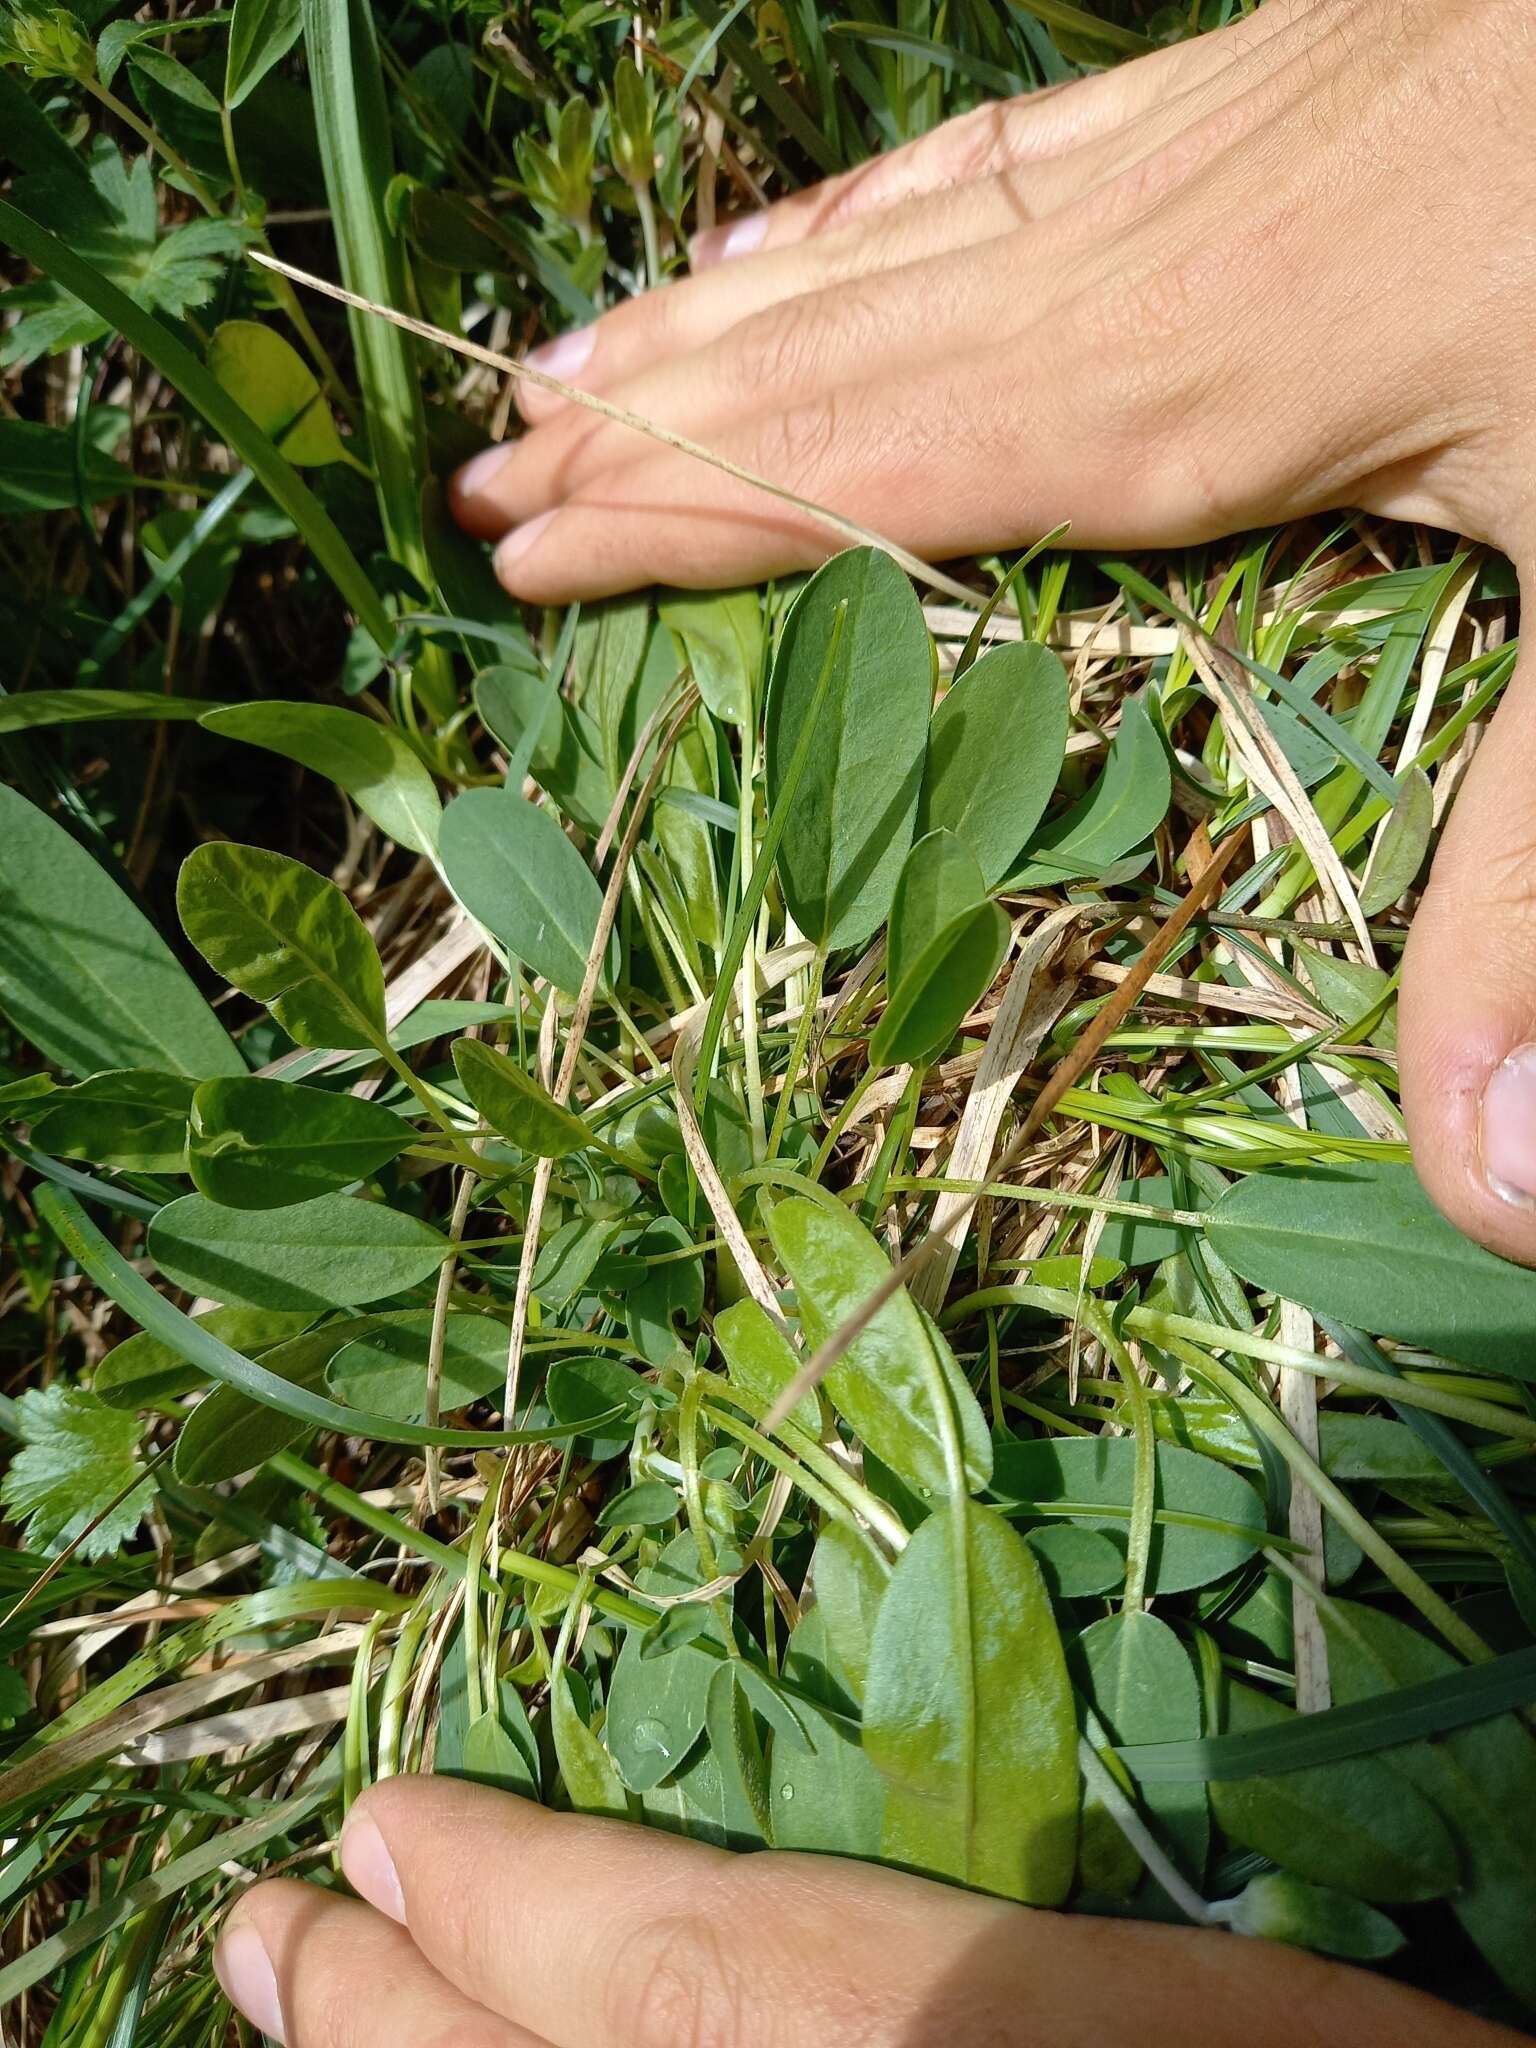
column 721, row 636
column 512, row 867
column 272, row 382
column 286, row 936
column 333, row 1252
column 656, row 1705
column 704, row 1803
column 1279, row 1907
column 1399, row 853
column 144, row 1372
column 848, row 834
column 1142, row 1686
column 650, row 1504
column 826, row 1796
column 1358, row 1826
column 734, row 1741
column 373, row 763
column 946, row 944
column 261, row 34
column 268, row 1144
column 1138, row 1243
column 1125, row 806
column 492, row 1758
column 1348, row 988
column 31, row 710
column 515, row 1105
column 968, row 1712
column 1208, row 1520
column 760, row 1358
column 1481, row 1778
column 1364, row 1243
column 600, row 1398
column 848, row 1577
column 548, row 734
column 995, row 750
column 884, row 1384
column 77, row 1456
column 43, row 469
column 84, row 975
column 1076, row 1562
column 592, row 1785
column 134, row 1120
column 172, row 76
column 229, row 1433
column 386, row 1369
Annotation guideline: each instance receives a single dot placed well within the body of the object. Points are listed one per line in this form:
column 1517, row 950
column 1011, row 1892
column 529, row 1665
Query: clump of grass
column 544, row 1223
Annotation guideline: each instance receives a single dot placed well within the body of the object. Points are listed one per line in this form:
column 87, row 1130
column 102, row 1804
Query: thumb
column 1467, row 1013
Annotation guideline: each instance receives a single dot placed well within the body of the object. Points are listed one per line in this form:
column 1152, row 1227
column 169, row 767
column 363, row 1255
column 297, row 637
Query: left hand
column 493, row 1923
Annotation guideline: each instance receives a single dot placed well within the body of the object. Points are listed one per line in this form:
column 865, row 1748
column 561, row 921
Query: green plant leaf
column 271, row 381
column 1208, row 1519
column 1482, row 1780
column 44, row 469
column 721, row 636
column 145, row 1372
column 386, row 1369
column 77, row 1456
column 884, row 1383
column 229, row 1433
column 848, row 835
column 261, row 33
column 135, row 1120
column 849, row 1578
column 1364, row 1243
column 373, row 763
column 826, row 1795
column 592, row 1785
column 269, row 1144
column 31, row 710
column 492, row 1758
column 512, row 867
column 656, row 1705
column 995, row 750
column 1125, row 806
column 1399, row 853
column 1142, row 1685
column 1076, row 1562
column 286, row 936
column 651, row 1504
column 1279, row 1907
column 515, row 1105
column 1357, row 1826
column 946, row 944
column 968, row 1712
column 83, row 973
column 333, row 1252
column 759, row 1357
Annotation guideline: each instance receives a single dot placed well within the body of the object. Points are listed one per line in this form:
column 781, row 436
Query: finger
column 593, row 1931
column 1468, row 1002
column 994, row 137
column 312, row 1970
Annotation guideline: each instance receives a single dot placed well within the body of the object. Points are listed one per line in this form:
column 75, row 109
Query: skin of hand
column 1280, row 269
column 493, row 1923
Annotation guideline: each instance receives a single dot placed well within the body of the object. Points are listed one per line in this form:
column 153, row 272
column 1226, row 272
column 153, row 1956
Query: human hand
column 1275, row 270
column 493, row 1923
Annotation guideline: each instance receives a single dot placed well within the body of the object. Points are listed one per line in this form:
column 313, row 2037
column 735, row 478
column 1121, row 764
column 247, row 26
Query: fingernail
column 519, row 541
column 370, row 1868
column 718, row 245
column 477, row 473
column 567, row 356
column 1509, row 1128
column 247, row 1980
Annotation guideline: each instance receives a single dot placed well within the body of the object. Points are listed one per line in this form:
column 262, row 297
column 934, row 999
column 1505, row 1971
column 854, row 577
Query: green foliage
column 79, row 1465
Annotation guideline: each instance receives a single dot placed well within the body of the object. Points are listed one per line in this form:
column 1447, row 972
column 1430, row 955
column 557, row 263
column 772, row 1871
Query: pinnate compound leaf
column 84, row 975
column 512, row 867
column 267, row 1144
column 287, row 937
column 1208, row 1520
column 373, row 763
column 77, row 1456
column 1359, row 1825
column 946, row 944
column 995, row 750
column 885, row 1383
column 1125, row 806
column 1364, row 1243
column 515, row 1105
column 851, row 824
column 333, row 1252
column 968, row 1712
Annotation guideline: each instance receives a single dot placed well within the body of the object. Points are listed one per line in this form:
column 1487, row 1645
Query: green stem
column 797, row 1050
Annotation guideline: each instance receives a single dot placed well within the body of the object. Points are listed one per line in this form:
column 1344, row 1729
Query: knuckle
column 773, row 349
column 676, row 1983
